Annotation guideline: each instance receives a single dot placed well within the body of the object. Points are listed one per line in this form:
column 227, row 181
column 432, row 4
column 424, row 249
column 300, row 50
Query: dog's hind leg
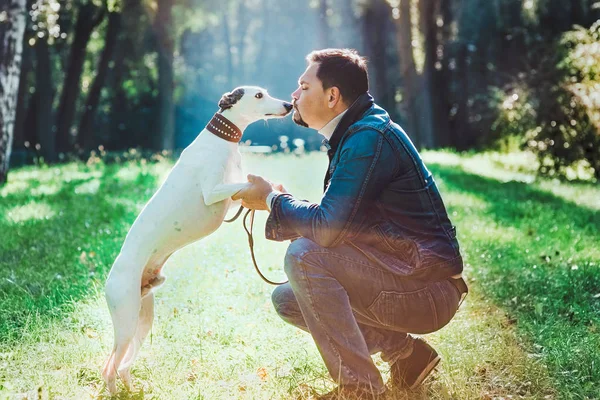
column 145, row 319
column 143, row 328
column 124, row 302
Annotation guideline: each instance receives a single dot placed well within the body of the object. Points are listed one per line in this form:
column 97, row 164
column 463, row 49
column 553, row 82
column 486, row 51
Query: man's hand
column 255, row 195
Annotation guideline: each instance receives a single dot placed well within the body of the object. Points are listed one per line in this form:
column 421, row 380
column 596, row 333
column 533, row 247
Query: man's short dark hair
column 344, row 69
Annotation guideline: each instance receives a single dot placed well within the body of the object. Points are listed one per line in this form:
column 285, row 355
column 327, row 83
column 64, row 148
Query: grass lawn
column 529, row 329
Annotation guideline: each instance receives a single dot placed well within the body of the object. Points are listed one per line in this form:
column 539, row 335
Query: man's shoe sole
column 423, row 375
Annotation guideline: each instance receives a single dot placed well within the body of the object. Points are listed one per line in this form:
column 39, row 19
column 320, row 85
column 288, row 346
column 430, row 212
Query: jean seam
column 444, row 297
column 318, row 319
column 433, row 309
column 339, row 256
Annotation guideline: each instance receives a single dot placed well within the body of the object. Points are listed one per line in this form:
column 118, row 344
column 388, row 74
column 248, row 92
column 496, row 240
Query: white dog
column 190, row 204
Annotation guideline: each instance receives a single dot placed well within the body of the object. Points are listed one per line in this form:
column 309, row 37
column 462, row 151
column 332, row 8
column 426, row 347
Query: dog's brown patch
column 229, row 99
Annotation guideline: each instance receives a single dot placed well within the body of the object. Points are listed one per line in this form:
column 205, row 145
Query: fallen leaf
column 191, row 377
column 91, row 333
column 262, row 373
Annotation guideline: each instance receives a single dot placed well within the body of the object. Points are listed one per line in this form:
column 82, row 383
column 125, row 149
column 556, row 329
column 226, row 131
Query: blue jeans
column 354, row 308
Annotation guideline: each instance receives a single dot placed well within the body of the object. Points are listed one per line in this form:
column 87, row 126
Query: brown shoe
column 410, row 372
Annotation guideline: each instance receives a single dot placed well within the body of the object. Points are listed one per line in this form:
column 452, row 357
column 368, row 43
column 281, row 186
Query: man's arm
column 367, row 164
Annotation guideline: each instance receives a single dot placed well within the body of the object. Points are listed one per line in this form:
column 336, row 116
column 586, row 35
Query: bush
column 567, row 138
column 555, row 109
column 515, row 110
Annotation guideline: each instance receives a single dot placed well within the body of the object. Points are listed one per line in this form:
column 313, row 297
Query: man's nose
column 295, row 94
column 288, row 106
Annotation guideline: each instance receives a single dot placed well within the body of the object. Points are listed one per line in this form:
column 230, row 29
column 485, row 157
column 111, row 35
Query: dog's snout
column 288, row 106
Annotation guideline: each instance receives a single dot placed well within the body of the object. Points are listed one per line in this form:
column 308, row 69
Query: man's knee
column 283, row 300
column 294, row 257
column 286, row 305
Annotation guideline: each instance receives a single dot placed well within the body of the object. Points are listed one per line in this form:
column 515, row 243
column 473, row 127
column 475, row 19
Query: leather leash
column 251, row 242
column 236, row 216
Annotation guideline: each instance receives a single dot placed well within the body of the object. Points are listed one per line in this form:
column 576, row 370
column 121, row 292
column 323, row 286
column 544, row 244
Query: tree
column 19, row 136
column 88, row 19
column 84, row 133
column 12, row 27
column 44, row 95
column 376, row 20
column 323, row 25
column 433, row 121
column 166, row 48
column 408, row 70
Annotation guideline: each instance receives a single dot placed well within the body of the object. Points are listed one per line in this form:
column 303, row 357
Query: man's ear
column 334, row 96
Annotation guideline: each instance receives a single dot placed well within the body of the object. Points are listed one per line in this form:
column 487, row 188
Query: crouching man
column 377, row 259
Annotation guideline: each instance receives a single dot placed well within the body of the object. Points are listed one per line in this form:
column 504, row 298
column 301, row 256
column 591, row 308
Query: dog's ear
column 229, row 99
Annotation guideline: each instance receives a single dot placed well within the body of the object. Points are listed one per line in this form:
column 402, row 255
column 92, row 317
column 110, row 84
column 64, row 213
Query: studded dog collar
column 224, row 128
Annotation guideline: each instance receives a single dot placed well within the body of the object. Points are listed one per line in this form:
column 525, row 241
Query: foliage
column 516, row 111
column 554, row 110
column 506, row 45
column 567, row 138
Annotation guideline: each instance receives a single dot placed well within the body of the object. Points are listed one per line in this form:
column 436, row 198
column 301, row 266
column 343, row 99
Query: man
column 378, row 257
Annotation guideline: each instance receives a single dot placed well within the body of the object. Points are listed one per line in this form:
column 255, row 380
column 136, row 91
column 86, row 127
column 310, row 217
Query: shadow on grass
column 51, row 262
column 547, row 278
column 543, row 220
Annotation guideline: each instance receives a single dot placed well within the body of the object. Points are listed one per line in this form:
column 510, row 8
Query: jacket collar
column 353, row 114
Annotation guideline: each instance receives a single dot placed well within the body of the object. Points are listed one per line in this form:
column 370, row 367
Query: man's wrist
column 270, row 197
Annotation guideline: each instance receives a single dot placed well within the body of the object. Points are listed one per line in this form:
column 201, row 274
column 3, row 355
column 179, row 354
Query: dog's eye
column 258, row 95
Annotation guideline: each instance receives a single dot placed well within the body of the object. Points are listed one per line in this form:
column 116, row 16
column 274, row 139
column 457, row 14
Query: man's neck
column 329, row 127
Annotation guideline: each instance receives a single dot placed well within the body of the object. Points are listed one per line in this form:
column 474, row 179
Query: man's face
column 310, row 100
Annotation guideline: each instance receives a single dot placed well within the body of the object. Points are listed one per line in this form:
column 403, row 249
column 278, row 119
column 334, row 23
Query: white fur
column 189, row 205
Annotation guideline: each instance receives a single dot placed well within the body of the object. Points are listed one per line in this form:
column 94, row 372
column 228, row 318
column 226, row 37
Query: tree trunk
column 243, row 25
column 442, row 77
column 461, row 124
column 11, row 47
column 87, row 20
column 410, row 79
column 429, row 31
column 166, row 47
column 228, row 54
column 118, row 112
column 323, row 26
column 350, row 29
column 44, row 95
column 30, row 123
column 24, row 98
column 376, row 17
column 23, row 95
column 85, row 138
column 264, row 47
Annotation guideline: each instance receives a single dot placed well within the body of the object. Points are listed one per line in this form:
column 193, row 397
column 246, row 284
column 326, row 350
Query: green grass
column 529, row 329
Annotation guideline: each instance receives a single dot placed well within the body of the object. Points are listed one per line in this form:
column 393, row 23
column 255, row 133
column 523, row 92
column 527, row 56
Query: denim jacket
column 379, row 197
